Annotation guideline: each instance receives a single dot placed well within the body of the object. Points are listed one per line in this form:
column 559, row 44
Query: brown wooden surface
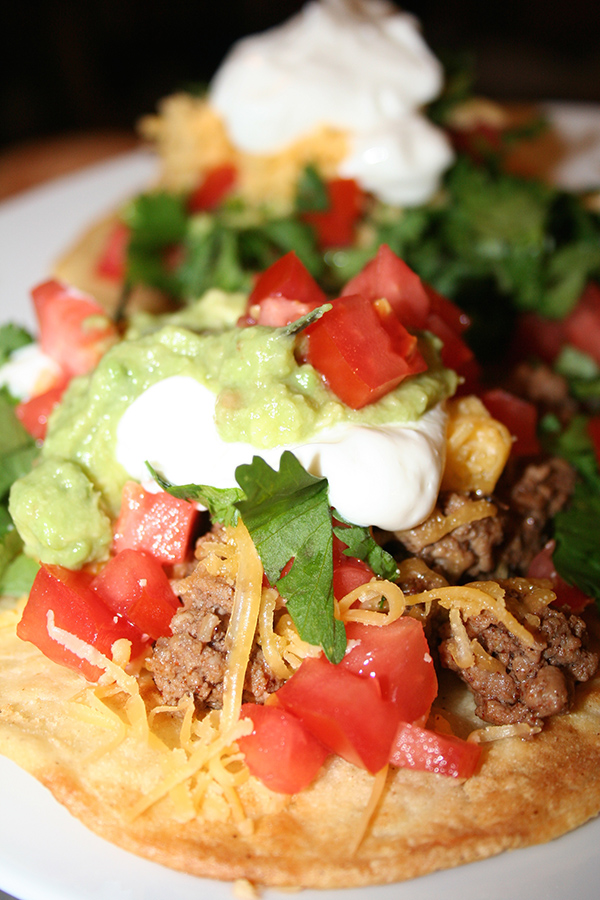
column 26, row 165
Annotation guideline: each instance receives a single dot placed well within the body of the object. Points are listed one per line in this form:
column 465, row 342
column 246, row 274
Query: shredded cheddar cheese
column 191, row 139
column 439, row 525
column 202, row 768
column 242, row 624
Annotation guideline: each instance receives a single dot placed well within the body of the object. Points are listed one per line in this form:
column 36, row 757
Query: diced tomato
column 455, row 353
column 287, row 279
column 386, row 275
column 351, row 347
column 34, row 413
column 336, row 225
column 388, row 671
column 479, row 141
column 74, row 330
column 280, row 751
column 135, row 585
column 212, row 190
column 279, row 311
column 113, row 261
column 65, row 600
column 582, row 326
column 538, row 336
column 542, row 566
column 349, row 574
column 449, row 312
column 416, row 304
column 397, row 656
column 159, row 524
column 594, row 432
column 331, row 702
column 426, row 750
column 519, row 416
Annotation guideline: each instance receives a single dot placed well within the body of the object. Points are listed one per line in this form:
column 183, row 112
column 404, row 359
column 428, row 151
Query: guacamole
column 263, row 396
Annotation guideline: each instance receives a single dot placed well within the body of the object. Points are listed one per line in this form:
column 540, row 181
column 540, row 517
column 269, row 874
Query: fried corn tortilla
column 525, row 792
column 78, row 266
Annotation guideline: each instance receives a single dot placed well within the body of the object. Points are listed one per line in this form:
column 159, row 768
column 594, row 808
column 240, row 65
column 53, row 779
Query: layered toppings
column 265, row 506
column 274, row 89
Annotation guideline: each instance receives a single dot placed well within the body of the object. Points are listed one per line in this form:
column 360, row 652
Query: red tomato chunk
column 135, row 585
column 416, row 304
column 330, row 701
column 158, row 524
column 214, row 188
column 397, row 656
column 66, row 600
column 335, row 226
column 542, row 566
column 355, row 352
column 519, row 416
column 582, row 326
column 286, row 290
column 429, row 751
column 389, row 673
column 34, row 413
column 280, row 751
column 74, row 329
column 113, row 262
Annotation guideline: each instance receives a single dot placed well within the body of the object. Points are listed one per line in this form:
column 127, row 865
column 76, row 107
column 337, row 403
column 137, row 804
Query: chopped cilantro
column 311, row 193
column 577, row 555
column 288, row 517
column 12, row 337
column 220, row 502
column 362, row 545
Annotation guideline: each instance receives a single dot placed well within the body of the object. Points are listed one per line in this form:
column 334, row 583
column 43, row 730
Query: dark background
column 71, row 65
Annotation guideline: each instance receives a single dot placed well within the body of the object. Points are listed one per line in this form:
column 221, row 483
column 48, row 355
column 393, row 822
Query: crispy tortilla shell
column 526, row 791
column 78, row 267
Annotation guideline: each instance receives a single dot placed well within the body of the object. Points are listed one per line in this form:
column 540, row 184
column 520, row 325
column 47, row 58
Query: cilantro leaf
column 220, row 502
column 17, row 448
column 287, row 514
column 575, row 445
column 311, row 192
column 18, row 576
column 288, row 517
column 12, row 337
column 576, row 532
column 362, row 545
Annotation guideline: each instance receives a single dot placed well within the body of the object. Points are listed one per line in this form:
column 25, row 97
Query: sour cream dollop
column 28, row 371
column 357, row 65
column 386, row 476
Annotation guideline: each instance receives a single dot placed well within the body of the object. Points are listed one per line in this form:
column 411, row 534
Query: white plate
column 45, row 854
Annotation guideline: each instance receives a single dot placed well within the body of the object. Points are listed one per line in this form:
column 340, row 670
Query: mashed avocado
column 59, row 516
column 263, row 397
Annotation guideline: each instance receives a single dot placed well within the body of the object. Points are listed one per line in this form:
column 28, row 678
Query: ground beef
column 528, row 496
column 468, row 550
column 193, row 659
column 528, row 684
column 548, row 390
column 532, row 493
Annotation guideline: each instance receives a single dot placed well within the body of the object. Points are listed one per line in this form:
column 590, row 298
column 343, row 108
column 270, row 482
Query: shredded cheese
column 439, row 525
column 371, row 807
column 242, row 624
column 498, row 732
column 273, row 645
column 371, row 596
column 198, row 759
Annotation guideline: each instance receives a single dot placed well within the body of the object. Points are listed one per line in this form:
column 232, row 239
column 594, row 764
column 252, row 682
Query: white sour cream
column 356, row 65
column 385, row 476
column 28, row 370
